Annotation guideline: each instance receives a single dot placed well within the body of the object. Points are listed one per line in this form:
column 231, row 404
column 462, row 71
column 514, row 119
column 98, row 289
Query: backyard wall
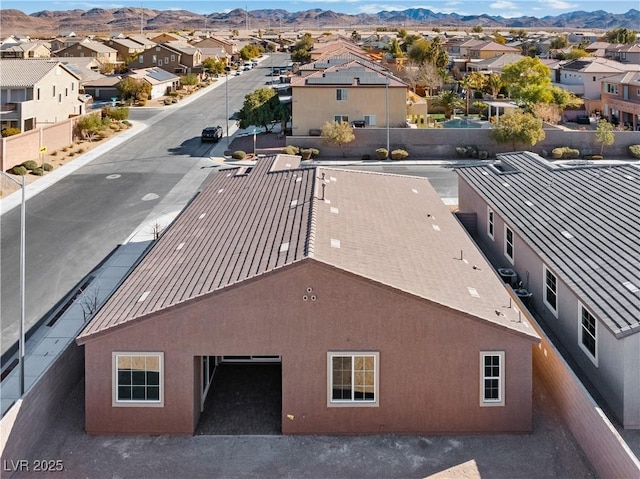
column 17, row 149
column 440, row 143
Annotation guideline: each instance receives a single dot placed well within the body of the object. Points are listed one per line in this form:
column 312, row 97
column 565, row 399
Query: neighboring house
column 347, row 93
column 582, row 37
column 621, row 99
column 25, row 50
column 379, row 309
column 175, row 57
column 583, row 77
column 489, row 49
column 101, row 52
column 231, row 47
column 597, row 49
column 168, row 37
column 624, row 53
column 62, row 42
column 334, row 48
column 126, row 49
column 494, row 64
column 162, row 82
column 142, row 40
column 104, row 88
column 328, row 61
column 571, row 235
column 37, row 92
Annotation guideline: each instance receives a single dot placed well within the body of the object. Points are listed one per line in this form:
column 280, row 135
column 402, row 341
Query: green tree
column 559, row 42
column 402, row 33
column 528, row 81
column 394, row 49
column 517, row 127
column 576, row 53
column 261, row 108
column 249, row 51
column 472, row 82
column 302, row 49
column 620, row 35
column 131, row 88
column 423, row 51
column 449, row 100
column 355, row 36
column 564, row 99
column 408, row 41
column 477, row 29
column 494, row 84
column 89, row 125
column 604, row 134
column 213, row 66
column 338, row 133
column 189, row 80
column 499, row 38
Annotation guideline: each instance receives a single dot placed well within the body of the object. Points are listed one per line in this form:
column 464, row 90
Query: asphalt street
column 74, row 224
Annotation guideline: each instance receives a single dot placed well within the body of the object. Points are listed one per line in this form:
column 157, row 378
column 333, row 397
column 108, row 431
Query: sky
column 504, row 8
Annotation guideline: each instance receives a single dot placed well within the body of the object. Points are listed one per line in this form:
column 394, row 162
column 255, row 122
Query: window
column 369, row 120
column 173, row 58
column 154, row 59
column 508, row 243
column 353, row 379
column 490, row 222
column 588, row 334
column 141, row 59
column 38, row 93
column 159, row 63
column 138, row 379
column 492, row 378
column 54, row 91
column 341, row 94
column 166, row 59
column 341, row 118
column 550, row 289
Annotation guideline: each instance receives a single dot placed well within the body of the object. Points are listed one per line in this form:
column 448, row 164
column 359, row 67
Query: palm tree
column 449, row 100
column 473, row 81
column 494, row 83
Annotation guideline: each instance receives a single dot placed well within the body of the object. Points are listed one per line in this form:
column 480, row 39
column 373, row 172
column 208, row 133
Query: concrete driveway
column 549, row 452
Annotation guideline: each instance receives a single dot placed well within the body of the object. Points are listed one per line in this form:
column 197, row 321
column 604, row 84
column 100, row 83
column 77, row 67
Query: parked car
column 211, row 133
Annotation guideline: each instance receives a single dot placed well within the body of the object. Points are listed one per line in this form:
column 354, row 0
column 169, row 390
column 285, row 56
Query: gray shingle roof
column 393, row 230
column 583, row 221
column 25, row 72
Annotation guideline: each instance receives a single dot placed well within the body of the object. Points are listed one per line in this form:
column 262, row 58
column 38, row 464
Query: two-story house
column 621, row 99
column 175, row 57
column 94, row 49
column 624, row 53
column 126, row 48
column 37, row 92
column 571, row 235
column 349, row 283
column 25, row 50
column 229, row 46
column 348, row 93
column 489, row 49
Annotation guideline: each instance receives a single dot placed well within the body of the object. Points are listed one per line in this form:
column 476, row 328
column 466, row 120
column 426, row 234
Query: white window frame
column 341, row 94
column 490, row 402
column 370, row 120
column 491, row 223
column 511, row 257
column 341, row 118
column 159, row 63
column 545, row 289
column 115, row 402
column 593, row 356
column 353, row 402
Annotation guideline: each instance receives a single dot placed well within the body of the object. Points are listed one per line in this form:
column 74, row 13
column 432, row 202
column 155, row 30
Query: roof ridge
column 313, row 219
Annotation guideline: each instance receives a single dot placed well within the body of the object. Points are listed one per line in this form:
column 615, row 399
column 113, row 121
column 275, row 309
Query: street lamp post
column 22, row 280
column 386, row 97
column 226, row 97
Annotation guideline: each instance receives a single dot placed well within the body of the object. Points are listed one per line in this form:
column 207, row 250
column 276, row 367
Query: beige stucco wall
column 429, row 357
column 313, row 106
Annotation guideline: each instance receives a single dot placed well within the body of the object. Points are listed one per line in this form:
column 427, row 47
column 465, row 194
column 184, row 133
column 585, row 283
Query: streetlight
column 226, row 96
column 386, row 97
column 22, row 288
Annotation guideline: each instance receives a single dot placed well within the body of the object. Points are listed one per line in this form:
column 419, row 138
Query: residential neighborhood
column 410, row 232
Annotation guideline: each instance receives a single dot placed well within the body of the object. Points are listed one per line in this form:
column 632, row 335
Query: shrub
column 166, row 101
column 30, row 165
column 635, row 150
column 18, row 170
column 38, row 172
column 173, row 94
column 564, row 152
column 593, row 157
column 238, row 155
column 382, row 153
column 10, row 132
column 47, row 167
column 126, row 122
column 461, row 151
column 483, row 154
column 399, row 154
column 305, row 153
column 291, row 150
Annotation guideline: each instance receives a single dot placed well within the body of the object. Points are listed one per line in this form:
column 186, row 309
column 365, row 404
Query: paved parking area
column 549, row 452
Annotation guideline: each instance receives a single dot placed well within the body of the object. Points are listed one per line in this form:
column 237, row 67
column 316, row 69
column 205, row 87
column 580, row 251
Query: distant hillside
column 116, row 20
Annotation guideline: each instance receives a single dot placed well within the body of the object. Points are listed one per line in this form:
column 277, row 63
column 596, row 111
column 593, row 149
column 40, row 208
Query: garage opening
column 242, row 395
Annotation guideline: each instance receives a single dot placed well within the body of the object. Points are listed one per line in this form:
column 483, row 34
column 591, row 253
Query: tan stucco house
column 347, row 93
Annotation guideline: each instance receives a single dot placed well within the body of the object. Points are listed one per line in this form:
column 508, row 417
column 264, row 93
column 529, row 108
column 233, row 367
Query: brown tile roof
column 391, row 229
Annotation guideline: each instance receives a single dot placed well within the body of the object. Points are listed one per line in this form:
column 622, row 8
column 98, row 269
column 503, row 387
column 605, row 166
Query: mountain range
column 116, row 20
